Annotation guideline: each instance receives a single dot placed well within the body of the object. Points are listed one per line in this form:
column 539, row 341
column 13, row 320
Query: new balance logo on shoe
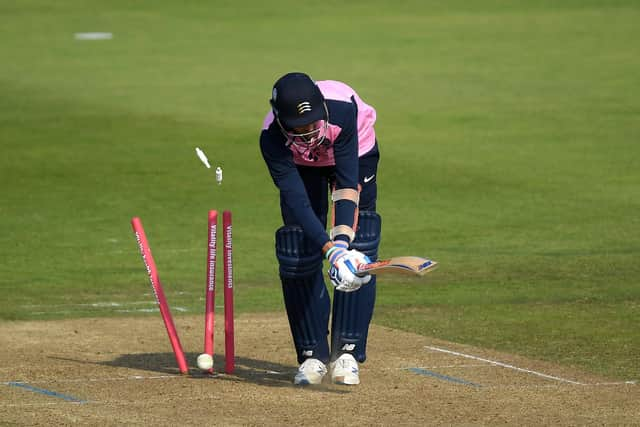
column 348, row 347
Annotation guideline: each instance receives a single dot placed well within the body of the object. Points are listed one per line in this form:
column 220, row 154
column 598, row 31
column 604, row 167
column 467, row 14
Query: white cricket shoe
column 310, row 372
column 344, row 370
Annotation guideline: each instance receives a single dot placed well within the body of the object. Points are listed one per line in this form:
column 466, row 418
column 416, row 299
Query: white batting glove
column 344, row 264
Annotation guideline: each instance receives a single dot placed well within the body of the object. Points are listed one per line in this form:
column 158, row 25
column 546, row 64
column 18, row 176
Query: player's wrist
column 333, row 245
column 334, row 253
column 341, row 243
column 326, row 247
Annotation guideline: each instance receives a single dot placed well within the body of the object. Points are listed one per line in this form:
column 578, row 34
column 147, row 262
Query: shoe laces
column 313, row 365
column 347, row 362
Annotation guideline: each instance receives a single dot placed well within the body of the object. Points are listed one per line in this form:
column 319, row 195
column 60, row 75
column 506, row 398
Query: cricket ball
column 205, row 361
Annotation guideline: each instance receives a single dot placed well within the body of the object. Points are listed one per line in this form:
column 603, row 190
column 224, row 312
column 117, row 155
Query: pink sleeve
column 268, row 120
column 339, row 91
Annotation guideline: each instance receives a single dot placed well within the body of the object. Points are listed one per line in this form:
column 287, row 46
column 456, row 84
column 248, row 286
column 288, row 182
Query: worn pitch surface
column 122, row 372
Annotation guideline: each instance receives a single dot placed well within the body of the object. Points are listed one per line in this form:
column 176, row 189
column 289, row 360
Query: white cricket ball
column 205, row 362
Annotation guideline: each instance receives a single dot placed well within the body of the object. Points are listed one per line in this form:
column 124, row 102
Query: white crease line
column 135, row 310
column 151, row 310
column 100, row 304
column 42, row 313
column 504, row 365
column 169, row 251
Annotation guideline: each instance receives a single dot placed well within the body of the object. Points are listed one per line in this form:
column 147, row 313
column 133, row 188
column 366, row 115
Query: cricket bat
column 411, row 265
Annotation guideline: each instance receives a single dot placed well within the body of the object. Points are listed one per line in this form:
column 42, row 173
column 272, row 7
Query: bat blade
column 411, row 265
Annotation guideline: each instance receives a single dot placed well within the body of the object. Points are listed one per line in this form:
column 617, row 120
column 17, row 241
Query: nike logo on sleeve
column 368, row 178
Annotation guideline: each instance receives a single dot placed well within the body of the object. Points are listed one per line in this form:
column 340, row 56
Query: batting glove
column 344, row 265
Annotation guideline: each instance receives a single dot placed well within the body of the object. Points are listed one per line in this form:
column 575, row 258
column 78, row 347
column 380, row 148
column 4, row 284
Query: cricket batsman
column 320, row 147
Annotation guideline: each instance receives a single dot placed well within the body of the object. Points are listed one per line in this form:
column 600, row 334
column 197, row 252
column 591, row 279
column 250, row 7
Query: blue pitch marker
column 425, row 372
column 46, row 392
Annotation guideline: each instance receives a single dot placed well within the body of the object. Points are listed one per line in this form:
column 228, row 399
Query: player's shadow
column 255, row 371
column 252, row 370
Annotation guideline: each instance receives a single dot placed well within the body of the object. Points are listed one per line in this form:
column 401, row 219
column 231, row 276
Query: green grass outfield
column 510, row 140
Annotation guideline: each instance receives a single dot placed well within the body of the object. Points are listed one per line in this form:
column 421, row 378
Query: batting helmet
column 297, row 101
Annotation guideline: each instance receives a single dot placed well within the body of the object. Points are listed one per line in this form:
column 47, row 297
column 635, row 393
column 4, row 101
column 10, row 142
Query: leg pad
column 296, row 255
column 368, row 234
column 305, row 294
column 352, row 311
